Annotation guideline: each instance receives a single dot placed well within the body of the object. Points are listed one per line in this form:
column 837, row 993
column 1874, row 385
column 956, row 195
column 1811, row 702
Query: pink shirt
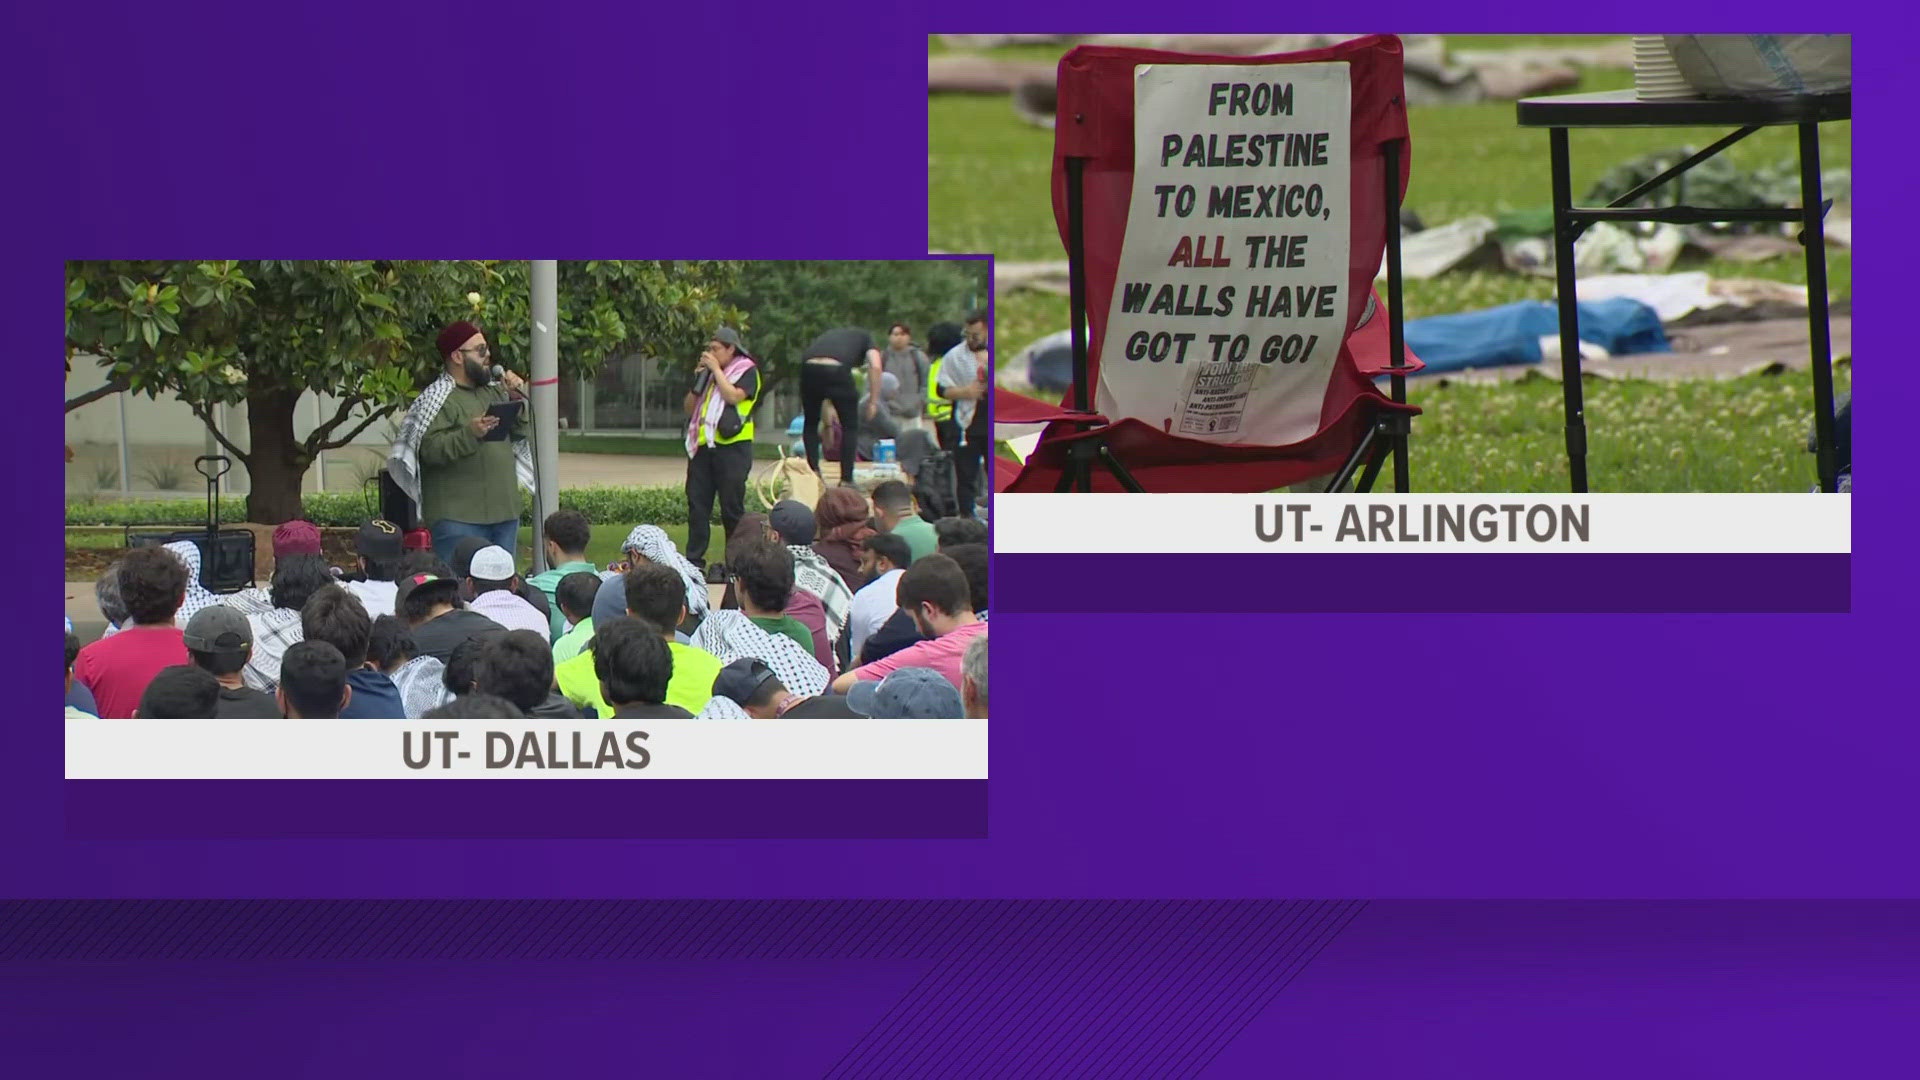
column 942, row 654
column 117, row 669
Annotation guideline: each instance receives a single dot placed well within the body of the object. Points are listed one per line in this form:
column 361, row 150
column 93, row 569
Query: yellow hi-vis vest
column 746, row 416
column 938, row 408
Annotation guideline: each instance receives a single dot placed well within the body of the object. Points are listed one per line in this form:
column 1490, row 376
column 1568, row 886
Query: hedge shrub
column 347, row 509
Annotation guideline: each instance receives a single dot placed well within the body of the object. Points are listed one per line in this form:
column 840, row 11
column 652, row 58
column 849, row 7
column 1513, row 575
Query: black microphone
column 499, row 376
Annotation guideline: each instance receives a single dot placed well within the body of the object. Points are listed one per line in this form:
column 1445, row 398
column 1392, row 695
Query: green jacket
column 461, row 477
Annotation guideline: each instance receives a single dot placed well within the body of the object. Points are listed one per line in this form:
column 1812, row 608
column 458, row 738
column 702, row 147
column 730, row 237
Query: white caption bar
column 1027, row 523
column 425, row 749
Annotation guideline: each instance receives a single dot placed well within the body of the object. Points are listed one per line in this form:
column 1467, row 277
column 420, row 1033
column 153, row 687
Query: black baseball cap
column 217, row 628
column 379, row 539
column 741, row 679
column 420, row 581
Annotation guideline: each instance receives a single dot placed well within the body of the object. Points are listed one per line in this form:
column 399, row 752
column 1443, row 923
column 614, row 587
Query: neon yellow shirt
column 691, row 686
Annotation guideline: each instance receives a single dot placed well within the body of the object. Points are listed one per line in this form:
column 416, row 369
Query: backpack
column 937, row 485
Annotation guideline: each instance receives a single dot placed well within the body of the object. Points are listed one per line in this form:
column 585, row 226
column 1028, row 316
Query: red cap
column 454, row 336
column 296, row 538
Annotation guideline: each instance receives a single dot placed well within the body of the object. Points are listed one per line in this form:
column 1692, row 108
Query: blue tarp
column 1511, row 334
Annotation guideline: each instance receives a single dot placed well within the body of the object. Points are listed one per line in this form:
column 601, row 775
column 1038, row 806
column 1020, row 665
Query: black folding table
column 1621, row 108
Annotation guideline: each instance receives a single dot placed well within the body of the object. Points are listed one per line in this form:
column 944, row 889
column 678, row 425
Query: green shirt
column 549, row 580
column 568, row 645
column 790, row 626
column 919, row 535
column 690, row 687
column 461, row 477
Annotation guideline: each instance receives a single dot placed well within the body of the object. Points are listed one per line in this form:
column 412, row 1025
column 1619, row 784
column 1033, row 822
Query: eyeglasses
column 479, row 350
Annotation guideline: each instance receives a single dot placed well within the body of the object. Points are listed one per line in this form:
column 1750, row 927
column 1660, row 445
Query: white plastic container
column 1656, row 77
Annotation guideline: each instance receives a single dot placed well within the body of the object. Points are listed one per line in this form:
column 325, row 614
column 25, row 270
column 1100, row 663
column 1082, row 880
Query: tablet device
column 508, row 412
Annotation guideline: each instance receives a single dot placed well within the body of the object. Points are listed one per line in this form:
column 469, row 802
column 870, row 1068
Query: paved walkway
column 625, row 470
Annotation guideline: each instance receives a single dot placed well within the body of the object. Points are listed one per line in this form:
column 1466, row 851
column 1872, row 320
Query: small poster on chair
column 1230, row 303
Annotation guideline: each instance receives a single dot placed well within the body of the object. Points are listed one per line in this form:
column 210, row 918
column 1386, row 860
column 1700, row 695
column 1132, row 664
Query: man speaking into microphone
column 462, row 454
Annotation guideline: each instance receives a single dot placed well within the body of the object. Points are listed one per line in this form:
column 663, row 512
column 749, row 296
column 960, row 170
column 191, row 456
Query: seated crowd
column 882, row 615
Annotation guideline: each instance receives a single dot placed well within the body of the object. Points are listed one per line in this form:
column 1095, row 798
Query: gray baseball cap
column 727, row 335
column 218, row 629
column 911, row 693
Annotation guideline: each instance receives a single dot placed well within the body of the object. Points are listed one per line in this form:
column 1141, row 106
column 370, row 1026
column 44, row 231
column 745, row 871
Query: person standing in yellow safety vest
column 960, row 382
column 726, row 383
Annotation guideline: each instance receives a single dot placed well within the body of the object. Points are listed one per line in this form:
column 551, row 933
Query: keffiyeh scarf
column 197, row 595
column 722, row 708
column 403, row 461
column 812, row 573
column 422, row 688
column 653, row 542
column 707, row 416
column 730, row 636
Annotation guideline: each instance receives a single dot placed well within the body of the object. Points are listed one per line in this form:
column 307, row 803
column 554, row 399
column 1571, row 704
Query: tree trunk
column 276, row 463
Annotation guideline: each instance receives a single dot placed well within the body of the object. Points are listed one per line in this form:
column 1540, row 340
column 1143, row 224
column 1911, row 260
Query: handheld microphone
column 499, row 373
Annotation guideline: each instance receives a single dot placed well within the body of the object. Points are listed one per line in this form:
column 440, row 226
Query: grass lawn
column 1745, row 434
column 605, row 545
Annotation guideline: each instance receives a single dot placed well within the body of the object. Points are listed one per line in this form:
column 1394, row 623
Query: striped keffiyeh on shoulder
column 403, row 461
column 273, row 634
column 198, row 597
column 812, row 573
column 653, row 542
column 722, row 708
column 729, row 635
column 421, row 685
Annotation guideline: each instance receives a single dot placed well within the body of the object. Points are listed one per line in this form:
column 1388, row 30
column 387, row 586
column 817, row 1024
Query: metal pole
column 1564, row 231
column 546, row 400
column 1077, row 282
column 1396, row 330
column 1814, row 236
column 126, row 461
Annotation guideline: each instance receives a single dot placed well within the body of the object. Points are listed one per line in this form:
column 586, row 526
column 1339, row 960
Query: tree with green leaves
column 265, row 333
column 792, row 302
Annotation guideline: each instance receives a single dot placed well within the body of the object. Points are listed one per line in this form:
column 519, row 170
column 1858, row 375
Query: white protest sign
column 1230, row 302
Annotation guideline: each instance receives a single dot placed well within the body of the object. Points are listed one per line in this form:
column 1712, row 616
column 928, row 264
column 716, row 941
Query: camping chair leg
column 1077, row 474
column 1118, row 470
column 1396, row 327
column 1353, row 460
column 1069, row 475
column 1393, row 448
column 1077, row 282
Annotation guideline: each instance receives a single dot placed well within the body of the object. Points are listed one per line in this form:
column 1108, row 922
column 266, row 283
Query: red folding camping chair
column 1359, row 426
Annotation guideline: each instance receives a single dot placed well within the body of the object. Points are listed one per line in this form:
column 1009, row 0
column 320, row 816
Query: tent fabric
column 1096, row 87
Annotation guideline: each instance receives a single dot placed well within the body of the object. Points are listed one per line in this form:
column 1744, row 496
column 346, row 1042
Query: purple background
column 1151, row 989
column 1141, row 755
